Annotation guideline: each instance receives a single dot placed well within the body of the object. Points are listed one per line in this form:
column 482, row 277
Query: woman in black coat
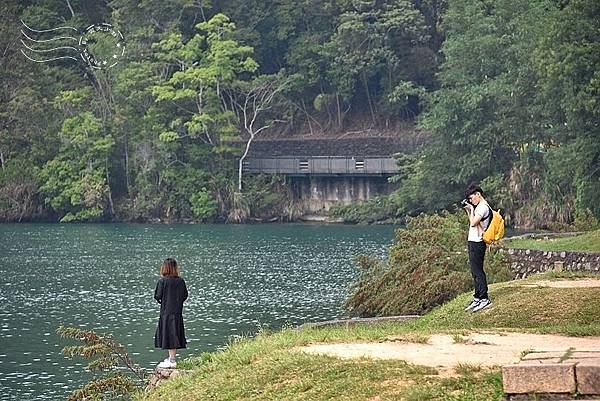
column 170, row 293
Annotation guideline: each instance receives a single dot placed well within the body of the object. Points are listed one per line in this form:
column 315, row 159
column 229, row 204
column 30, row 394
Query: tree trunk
column 241, row 165
column 369, row 97
column 71, row 9
column 339, row 111
column 307, row 117
column 127, row 178
column 111, row 206
column 2, row 161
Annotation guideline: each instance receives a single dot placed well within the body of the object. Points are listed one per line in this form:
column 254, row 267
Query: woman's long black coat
column 170, row 293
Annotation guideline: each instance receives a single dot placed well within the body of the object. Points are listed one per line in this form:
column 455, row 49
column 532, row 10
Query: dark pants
column 476, row 256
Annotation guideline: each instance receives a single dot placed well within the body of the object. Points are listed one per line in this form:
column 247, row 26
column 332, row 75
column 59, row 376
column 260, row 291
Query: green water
column 102, row 277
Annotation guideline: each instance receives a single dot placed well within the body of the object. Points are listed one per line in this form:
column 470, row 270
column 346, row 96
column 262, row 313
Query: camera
column 464, row 203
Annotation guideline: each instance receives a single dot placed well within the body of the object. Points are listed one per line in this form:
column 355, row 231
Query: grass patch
column 570, row 275
column 570, row 311
column 467, row 369
column 268, row 367
column 524, row 353
column 459, row 338
column 472, row 387
column 283, row 375
column 588, row 242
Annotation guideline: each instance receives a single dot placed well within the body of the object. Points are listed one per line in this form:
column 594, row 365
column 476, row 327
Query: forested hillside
column 507, row 92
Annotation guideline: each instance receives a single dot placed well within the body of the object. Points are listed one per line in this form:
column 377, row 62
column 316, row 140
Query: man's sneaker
column 473, row 304
column 167, row 364
column 484, row 303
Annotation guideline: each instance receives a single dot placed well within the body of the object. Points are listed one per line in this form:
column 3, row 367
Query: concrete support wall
column 317, row 194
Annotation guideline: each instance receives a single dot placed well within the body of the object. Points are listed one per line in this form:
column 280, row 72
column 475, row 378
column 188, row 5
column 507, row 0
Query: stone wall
column 524, row 262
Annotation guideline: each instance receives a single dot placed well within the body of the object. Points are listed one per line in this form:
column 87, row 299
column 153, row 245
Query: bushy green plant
column 427, row 266
column 265, row 197
column 585, row 220
column 203, row 204
column 376, row 209
column 119, row 377
column 19, row 191
column 239, row 210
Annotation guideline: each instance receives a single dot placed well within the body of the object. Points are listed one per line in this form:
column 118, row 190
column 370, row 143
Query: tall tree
column 371, row 55
column 76, row 180
column 207, row 64
column 485, row 111
column 568, row 59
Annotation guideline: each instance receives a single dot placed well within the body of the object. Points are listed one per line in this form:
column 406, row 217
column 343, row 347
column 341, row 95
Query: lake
column 102, row 276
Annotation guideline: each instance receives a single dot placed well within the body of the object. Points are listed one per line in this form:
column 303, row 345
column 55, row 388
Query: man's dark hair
column 472, row 189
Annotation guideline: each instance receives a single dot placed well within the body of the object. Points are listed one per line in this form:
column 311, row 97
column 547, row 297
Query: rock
column 160, row 375
column 588, row 376
column 559, row 266
column 538, row 377
column 163, row 373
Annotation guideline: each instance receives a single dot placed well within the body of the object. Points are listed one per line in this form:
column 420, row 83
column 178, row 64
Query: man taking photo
column 480, row 215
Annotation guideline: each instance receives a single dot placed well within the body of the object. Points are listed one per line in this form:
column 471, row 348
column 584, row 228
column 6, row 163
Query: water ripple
column 101, row 277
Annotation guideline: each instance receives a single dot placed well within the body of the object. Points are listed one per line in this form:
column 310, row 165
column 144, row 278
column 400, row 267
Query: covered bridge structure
column 327, row 171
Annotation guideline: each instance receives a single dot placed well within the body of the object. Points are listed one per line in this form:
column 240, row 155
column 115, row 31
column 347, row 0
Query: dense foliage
column 507, row 91
column 426, row 268
column 153, row 137
column 518, row 110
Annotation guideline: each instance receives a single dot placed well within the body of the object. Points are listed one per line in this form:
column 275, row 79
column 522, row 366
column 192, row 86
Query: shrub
column 427, row 266
column 203, row 204
column 367, row 212
column 585, row 220
column 265, row 197
column 119, row 376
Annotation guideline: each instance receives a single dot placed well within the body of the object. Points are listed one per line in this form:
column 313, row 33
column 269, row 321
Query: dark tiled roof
column 369, row 146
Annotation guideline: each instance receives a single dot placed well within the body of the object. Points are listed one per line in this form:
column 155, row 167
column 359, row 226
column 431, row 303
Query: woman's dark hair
column 169, row 268
column 472, row 189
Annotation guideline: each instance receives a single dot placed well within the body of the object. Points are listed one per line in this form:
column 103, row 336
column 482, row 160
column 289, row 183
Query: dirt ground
column 485, row 349
column 584, row 283
column 478, row 348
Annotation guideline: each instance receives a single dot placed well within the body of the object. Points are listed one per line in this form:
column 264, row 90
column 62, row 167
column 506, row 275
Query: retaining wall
column 318, row 194
column 524, row 262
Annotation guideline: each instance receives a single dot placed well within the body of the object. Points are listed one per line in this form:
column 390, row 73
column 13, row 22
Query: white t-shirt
column 476, row 233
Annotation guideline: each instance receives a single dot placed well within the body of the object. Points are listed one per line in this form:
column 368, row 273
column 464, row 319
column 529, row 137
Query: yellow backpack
column 495, row 230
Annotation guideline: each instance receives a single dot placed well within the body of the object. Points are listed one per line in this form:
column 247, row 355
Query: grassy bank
column 588, row 242
column 267, row 367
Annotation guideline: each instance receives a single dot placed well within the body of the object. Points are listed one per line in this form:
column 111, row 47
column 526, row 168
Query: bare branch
column 70, row 9
column 256, row 100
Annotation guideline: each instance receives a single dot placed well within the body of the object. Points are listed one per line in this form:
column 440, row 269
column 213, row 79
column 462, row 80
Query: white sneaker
column 167, row 364
column 473, row 304
column 484, row 303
